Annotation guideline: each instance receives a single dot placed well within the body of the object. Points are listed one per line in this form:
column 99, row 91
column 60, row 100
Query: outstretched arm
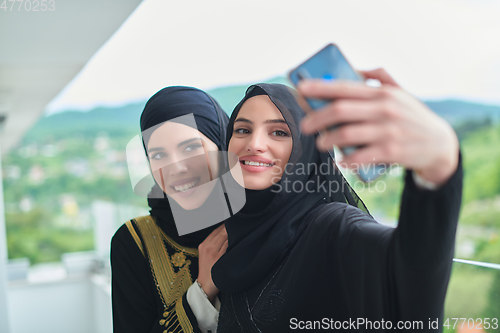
column 390, row 124
column 407, row 269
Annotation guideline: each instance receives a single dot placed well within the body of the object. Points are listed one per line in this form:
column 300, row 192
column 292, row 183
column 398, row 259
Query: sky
column 435, row 49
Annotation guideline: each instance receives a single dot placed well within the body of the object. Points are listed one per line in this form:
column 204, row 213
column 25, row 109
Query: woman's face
column 179, row 159
column 262, row 141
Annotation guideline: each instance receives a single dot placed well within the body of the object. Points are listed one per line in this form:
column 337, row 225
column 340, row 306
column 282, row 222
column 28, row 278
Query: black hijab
column 211, row 120
column 259, row 239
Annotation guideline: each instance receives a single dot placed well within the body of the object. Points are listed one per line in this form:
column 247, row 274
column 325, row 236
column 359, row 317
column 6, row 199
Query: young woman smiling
column 153, row 262
column 262, row 141
column 310, row 259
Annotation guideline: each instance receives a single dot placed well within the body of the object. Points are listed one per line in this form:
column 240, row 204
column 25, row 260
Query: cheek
column 159, row 179
column 284, row 153
column 155, row 169
column 234, row 145
column 213, row 164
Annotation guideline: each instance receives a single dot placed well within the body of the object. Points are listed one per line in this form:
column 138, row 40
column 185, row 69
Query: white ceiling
column 42, row 51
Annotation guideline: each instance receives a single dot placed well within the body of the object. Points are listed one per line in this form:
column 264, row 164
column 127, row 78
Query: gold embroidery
column 178, row 259
column 183, row 318
column 188, row 250
column 171, row 285
column 171, row 322
column 131, row 229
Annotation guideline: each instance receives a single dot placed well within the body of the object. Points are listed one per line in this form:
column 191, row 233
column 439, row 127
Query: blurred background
column 74, row 78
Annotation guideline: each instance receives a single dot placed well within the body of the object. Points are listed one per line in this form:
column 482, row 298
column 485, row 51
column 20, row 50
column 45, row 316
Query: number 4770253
column 478, row 323
column 28, row 5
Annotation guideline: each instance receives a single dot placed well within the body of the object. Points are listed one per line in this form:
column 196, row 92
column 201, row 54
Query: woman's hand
column 210, row 250
column 392, row 125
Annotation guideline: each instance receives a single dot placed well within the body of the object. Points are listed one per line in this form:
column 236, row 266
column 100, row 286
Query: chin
column 188, row 203
column 252, row 185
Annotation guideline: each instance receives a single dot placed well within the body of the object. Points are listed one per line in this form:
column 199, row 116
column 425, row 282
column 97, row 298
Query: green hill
column 457, row 112
column 124, row 120
column 60, row 160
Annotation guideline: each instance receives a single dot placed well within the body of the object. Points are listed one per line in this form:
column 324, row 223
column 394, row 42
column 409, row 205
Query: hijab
column 211, row 120
column 265, row 230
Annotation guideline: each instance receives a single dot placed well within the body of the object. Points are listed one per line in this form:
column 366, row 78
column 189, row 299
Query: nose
column 177, row 167
column 257, row 143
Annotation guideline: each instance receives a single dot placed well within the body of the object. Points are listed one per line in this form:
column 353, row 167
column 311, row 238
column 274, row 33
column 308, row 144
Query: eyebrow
column 245, row 120
column 178, row 145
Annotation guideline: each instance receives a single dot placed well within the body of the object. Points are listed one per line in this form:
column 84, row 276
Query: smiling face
column 262, row 141
column 179, row 159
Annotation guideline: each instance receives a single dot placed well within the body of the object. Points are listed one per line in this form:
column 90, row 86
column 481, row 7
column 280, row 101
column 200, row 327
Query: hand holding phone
column 329, row 64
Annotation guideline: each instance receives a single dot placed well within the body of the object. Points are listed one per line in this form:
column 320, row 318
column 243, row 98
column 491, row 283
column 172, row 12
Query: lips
column 255, row 163
column 256, row 159
column 185, row 185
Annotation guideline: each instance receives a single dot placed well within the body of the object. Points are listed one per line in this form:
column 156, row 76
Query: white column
column 104, row 214
column 4, row 314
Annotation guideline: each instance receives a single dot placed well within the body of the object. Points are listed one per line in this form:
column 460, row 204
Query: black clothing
column 257, row 200
column 345, row 267
column 138, row 304
column 258, row 240
column 306, row 258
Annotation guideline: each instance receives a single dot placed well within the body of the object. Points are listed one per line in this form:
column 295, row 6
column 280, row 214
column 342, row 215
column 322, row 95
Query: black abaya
column 348, row 270
column 305, row 261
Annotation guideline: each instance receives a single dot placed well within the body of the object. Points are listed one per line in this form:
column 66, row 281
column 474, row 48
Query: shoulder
column 344, row 221
column 334, row 214
column 127, row 236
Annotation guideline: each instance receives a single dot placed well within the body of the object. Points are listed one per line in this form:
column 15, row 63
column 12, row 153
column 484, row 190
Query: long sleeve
column 399, row 273
column 206, row 314
column 424, row 244
column 136, row 304
column 348, row 269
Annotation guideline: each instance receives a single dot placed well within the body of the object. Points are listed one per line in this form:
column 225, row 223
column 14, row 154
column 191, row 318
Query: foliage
column 32, row 235
column 482, row 164
column 66, row 147
column 493, row 309
column 467, row 295
column 44, row 215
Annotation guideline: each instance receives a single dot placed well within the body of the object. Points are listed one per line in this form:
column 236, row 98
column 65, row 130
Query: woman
column 297, row 261
column 154, row 261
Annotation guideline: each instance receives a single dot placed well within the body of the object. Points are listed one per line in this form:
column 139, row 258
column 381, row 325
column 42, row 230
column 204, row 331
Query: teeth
column 185, row 187
column 257, row 163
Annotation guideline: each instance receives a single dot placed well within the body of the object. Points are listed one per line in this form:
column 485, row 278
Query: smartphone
column 329, row 64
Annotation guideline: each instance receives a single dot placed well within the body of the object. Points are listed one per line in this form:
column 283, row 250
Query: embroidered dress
column 151, row 266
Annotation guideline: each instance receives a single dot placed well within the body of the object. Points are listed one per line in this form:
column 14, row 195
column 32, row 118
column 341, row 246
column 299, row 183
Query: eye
column 280, row 133
column 157, row 156
column 193, row 147
column 241, row 131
